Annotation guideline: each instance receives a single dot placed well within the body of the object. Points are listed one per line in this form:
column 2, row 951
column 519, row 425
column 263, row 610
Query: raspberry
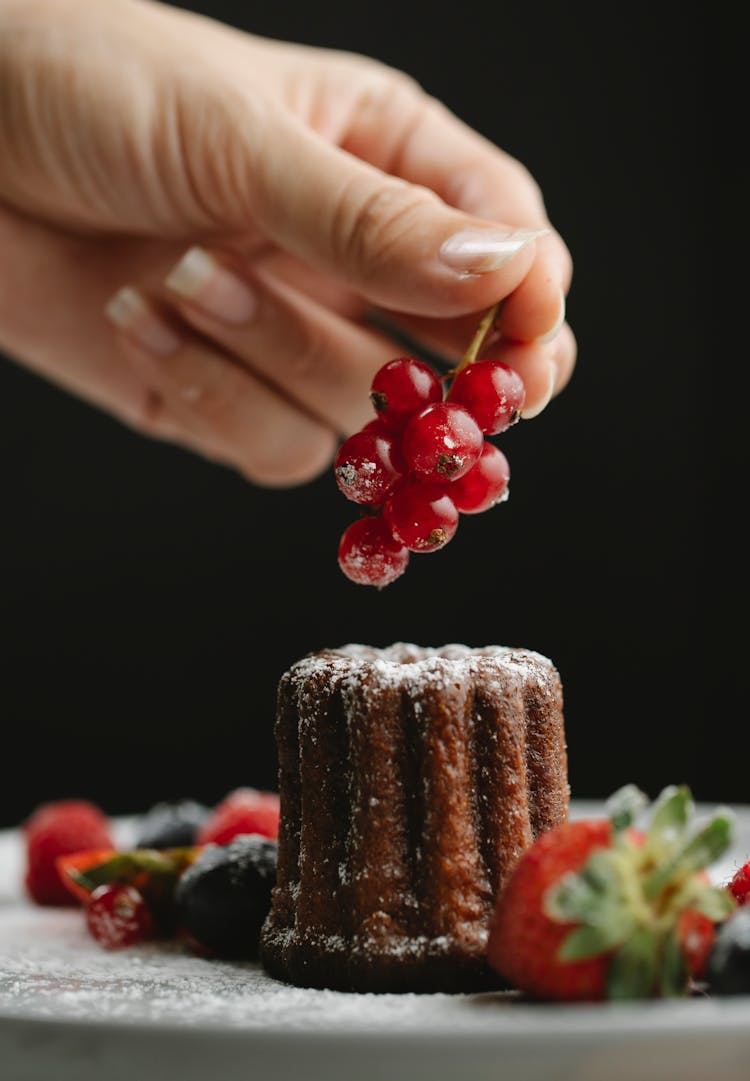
column 401, row 387
column 117, row 916
column 369, row 555
column 244, row 810
column 739, row 885
column 57, row 829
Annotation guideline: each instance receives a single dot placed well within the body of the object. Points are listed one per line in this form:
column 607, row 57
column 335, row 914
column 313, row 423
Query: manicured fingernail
column 555, row 330
column 129, row 311
column 478, row 251
column 203, row 280
column 535, row 410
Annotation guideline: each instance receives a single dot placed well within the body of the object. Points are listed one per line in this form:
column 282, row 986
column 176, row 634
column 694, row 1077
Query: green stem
column 477, row 341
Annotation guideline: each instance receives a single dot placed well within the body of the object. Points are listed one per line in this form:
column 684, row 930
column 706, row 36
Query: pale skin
column 197, row 225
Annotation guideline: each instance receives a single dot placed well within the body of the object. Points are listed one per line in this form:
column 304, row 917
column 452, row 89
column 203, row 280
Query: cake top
column 405, row 659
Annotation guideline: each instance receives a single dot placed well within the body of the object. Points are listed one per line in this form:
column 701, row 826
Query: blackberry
column 171, row 824
column 223, row 898
column 729, row 964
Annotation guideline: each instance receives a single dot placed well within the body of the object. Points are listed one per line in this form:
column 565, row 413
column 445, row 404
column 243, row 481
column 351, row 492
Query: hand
column 311, row 190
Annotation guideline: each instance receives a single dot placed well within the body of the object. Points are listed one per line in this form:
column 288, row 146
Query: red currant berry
column 492, row 392
column 369, row 555
column 421, row 516
column 484, row 485
column 117, row 915
column 377, row 425
column 401, row 387
column 369, row 466
column 442, row 442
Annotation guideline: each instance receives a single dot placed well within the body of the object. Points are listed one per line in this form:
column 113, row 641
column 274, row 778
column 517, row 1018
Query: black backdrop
column 151, row 600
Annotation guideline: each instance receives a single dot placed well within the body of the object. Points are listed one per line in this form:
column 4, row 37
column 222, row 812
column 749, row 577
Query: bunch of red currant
column 425, row 459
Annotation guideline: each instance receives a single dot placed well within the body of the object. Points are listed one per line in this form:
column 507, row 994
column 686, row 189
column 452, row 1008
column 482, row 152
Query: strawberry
column 524, row 941
column 244, row 810
column 55, row 829
column 596, row 909
column 697, row 934
column 739, row 884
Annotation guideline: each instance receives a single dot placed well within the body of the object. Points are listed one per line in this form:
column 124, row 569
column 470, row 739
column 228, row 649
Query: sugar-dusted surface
column 73, row 1012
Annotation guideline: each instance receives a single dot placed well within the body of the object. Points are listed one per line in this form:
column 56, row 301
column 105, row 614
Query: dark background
column 151, row 600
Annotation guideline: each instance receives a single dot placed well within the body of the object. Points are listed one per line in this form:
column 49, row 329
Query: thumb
column 396, row 243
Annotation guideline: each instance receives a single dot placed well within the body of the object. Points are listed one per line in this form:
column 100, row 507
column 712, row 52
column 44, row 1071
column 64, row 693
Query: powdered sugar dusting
column 405, row 664
column 50, row 968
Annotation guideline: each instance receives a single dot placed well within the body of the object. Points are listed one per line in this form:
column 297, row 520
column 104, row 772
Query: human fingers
column 544, row 368
column 310, row 354
column 219, row 404
column 315, row 357
column 52, row 321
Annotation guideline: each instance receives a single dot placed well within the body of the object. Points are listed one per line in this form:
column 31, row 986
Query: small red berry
column 244, row 810
column 421, row 516
column 484, row 485
column 57, row 829
column 492, row 392
column 442, row 442
column 377, row 425
column 369, row 466
column 401, row 387
column 739, row 885
column 369, row 555
column 117, row 915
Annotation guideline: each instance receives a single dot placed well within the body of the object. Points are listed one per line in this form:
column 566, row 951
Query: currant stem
column 477, row 341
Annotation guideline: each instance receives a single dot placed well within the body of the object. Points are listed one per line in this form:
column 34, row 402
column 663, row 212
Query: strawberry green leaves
column 133, row 866
column 598, row 899
column 624, row 806
column 627, row 899
column 691, row 854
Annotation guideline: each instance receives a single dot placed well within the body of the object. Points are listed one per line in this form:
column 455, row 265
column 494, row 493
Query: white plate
column 70, row 1011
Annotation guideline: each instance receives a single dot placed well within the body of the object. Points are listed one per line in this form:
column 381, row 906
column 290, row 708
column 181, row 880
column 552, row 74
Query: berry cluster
column 424, row 459
column 197, row 873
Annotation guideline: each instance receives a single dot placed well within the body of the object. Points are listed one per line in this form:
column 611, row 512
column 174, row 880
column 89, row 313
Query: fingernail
column 534, row 411
column 129, row 311
column 555, row 330
column 202, row 279
column 477, row 251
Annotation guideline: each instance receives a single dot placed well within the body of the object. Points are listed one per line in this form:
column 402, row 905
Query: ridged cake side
column 410, row 781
